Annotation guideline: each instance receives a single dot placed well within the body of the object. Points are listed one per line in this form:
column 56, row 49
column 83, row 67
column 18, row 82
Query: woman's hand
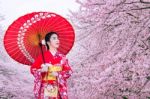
column 44, row 67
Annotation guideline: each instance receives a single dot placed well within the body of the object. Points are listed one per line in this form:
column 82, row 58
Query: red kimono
column 40, row 83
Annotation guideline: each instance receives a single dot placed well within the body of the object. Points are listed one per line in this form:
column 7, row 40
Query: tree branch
column 141, row 8
column 145, row 2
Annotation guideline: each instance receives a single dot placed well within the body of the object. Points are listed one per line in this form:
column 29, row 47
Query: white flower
column 43, row 42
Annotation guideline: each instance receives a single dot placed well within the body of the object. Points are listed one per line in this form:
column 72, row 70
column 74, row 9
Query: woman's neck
column 53, row 50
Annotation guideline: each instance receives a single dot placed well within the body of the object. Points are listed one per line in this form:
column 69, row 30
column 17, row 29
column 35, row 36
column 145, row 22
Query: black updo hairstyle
column 48, row 36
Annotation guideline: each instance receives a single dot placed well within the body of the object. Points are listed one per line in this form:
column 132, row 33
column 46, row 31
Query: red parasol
column 21, row 40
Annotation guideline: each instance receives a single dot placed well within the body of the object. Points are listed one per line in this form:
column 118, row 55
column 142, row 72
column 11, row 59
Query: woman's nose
column 57, row 40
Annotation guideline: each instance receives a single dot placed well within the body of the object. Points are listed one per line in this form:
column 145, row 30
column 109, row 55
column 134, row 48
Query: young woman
column 51, row 76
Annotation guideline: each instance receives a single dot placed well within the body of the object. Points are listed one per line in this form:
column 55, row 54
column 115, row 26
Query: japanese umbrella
column 23, row 37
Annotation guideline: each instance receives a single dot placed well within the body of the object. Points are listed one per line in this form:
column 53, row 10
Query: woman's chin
column 57, row 46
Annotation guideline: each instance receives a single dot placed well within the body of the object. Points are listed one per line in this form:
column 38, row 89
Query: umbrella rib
column 66, row 48
column 65, row 44
column 10, row 35
column 65, row 39
column 25, row 60
column 29, row 48
column 10, row 43
column 32, row 27
column 47, row 24
column 51, row 24
column 67, row 32
column 64, row 29
column 59, row 26
column 58, row 23
column 10, row 39
column 67, row 35
column 36, row 51
column 62, row 48
column 43, row 28
column 18, row 22
column 10, row 47
column 15, row 27
column 30, row 55
column 62, row 26
column 13, row 31
column 22, row 60
column 16, row 53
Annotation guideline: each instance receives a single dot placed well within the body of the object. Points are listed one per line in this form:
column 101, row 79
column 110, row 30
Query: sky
column 13, row 9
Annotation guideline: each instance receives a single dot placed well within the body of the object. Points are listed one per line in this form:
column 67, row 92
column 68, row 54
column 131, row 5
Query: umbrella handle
column 42, row 52
column 40, row 44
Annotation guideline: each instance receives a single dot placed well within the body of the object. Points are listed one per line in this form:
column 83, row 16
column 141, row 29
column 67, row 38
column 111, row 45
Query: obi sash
column 49, row 75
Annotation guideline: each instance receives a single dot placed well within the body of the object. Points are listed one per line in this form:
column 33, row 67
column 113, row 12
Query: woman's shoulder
column 61, row 54
column 58, row 53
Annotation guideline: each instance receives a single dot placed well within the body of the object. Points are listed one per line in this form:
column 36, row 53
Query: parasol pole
column 40, row 44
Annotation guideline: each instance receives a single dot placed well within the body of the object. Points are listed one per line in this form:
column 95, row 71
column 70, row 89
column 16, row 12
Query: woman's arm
column 36, row 66
column 67, row 71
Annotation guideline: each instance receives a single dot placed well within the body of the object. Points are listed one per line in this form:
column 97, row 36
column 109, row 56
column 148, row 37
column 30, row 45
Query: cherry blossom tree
column 111, row 55
column 110, row 58
column 15, row 79
column 2, row 51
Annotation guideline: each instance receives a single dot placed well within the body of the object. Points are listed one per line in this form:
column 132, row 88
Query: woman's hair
column 48, row 36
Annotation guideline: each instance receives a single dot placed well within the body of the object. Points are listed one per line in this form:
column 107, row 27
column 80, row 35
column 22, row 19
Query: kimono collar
column 57, row 53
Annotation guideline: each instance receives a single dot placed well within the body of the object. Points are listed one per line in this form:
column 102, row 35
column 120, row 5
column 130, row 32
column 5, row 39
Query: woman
column 51, row 76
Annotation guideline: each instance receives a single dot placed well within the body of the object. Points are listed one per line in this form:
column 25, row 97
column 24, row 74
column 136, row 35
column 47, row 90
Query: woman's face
column 54, row 41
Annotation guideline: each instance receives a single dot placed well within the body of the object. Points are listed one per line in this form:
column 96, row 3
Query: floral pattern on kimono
column 62, row 76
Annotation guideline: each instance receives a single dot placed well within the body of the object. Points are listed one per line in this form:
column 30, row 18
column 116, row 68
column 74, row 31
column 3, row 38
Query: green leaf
column 148, row 97
column 148, row 77
column 124, row 97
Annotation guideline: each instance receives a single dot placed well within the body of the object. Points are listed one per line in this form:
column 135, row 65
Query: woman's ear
column 48, row 43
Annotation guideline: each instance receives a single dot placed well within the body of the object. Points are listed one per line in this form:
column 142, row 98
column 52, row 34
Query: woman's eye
column 54, row 38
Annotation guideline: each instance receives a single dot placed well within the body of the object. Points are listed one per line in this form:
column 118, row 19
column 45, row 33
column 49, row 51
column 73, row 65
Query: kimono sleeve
column 35, row 71
column 67, row 71
column 36, row 65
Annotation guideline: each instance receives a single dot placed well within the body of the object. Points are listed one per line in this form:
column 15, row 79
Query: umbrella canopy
column 23, row 36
